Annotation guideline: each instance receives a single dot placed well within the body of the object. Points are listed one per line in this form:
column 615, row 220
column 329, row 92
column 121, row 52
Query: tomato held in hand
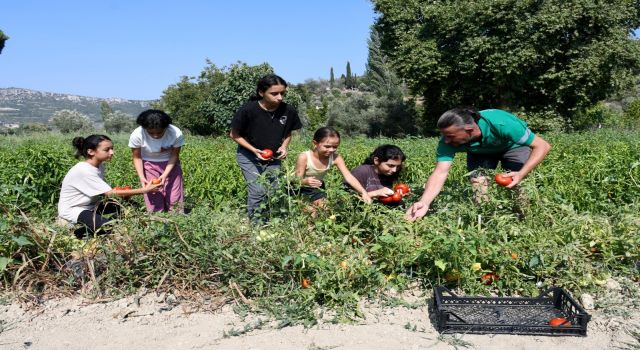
column 394, row 198
column 267, row 154
column 503, row 179
column 559, row 321
column 386, row 199
column 155, row 181
column 404, row 188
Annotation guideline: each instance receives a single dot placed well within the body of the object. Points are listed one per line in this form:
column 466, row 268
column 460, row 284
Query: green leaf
column 286, row 260
column 21, row 241
column 534, row 261
column 3, row 263
column 441, row 264
column 387, row 238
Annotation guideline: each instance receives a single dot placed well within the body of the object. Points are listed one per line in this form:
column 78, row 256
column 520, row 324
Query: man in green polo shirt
column 488, row 137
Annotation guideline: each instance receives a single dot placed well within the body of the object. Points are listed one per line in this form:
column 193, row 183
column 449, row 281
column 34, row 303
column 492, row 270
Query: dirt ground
column 152, row 321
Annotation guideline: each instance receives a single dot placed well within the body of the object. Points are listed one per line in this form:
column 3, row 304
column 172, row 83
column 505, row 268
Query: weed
column 454, row 340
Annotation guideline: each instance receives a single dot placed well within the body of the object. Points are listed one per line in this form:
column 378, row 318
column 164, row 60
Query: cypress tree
column 332, row 79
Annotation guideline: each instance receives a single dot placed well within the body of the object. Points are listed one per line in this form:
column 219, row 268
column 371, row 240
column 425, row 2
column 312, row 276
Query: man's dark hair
column 458, row 117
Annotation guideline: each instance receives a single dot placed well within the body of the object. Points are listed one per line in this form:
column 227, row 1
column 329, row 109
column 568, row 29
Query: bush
column 597, row 116
column 365, row 113
column 631, row 117
column 116, row 122
column 68, row 121
column 543, row 121
column 33, row 128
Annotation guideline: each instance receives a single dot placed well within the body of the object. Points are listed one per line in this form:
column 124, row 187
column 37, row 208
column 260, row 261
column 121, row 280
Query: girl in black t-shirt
column 262, row 129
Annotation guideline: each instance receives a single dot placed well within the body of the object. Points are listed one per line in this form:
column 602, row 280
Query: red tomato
column 267, row 153
column 155, row 181
column 559, row 321
column 489, row 278
column 394, row 198
column 404, row 188
column 386, row 200
column 306, row 283
column 503, row 180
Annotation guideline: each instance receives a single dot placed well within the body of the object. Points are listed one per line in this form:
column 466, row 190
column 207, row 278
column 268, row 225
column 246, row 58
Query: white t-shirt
column 156, row 150
column 80, row 190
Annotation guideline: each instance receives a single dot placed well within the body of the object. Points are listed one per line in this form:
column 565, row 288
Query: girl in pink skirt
column 156, row 156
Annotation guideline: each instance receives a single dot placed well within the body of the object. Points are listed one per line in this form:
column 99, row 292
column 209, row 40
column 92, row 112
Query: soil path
column 155, row 322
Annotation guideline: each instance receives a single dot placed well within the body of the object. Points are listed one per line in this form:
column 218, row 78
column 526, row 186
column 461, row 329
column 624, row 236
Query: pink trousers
column 170, row 197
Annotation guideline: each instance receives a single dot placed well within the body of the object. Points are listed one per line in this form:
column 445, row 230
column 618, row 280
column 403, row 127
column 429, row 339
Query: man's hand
column 516, row 178
column 416, row 211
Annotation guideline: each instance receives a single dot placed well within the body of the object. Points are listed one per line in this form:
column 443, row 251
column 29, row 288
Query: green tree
column 105, row 110
column 379, row 75
column 206, row 105
column 116, row 122
column 68, row 121
column 348, row 80
column 534, row 54
column 3, row 38
column 332, row 79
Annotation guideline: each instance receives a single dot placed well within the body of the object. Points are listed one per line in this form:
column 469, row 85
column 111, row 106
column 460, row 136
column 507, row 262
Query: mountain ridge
column 20, row 105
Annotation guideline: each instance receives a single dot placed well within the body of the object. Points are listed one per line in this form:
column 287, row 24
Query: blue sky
column 136, row 48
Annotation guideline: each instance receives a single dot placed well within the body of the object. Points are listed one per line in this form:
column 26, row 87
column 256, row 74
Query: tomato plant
column 503, row 179
column 581, row 227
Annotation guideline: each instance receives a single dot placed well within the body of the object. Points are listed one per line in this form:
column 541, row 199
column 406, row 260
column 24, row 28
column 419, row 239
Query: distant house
column 9, row 126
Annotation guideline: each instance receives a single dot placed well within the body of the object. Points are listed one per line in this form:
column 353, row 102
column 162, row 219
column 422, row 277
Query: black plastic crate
column 508, row 315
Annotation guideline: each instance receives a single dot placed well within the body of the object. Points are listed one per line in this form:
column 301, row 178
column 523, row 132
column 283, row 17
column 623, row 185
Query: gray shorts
column 512, row 159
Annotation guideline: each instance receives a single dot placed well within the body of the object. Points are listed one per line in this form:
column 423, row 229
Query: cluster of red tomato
column 400, row 191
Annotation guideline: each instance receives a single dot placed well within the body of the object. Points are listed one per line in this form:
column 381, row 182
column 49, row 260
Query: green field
column 581, row 227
